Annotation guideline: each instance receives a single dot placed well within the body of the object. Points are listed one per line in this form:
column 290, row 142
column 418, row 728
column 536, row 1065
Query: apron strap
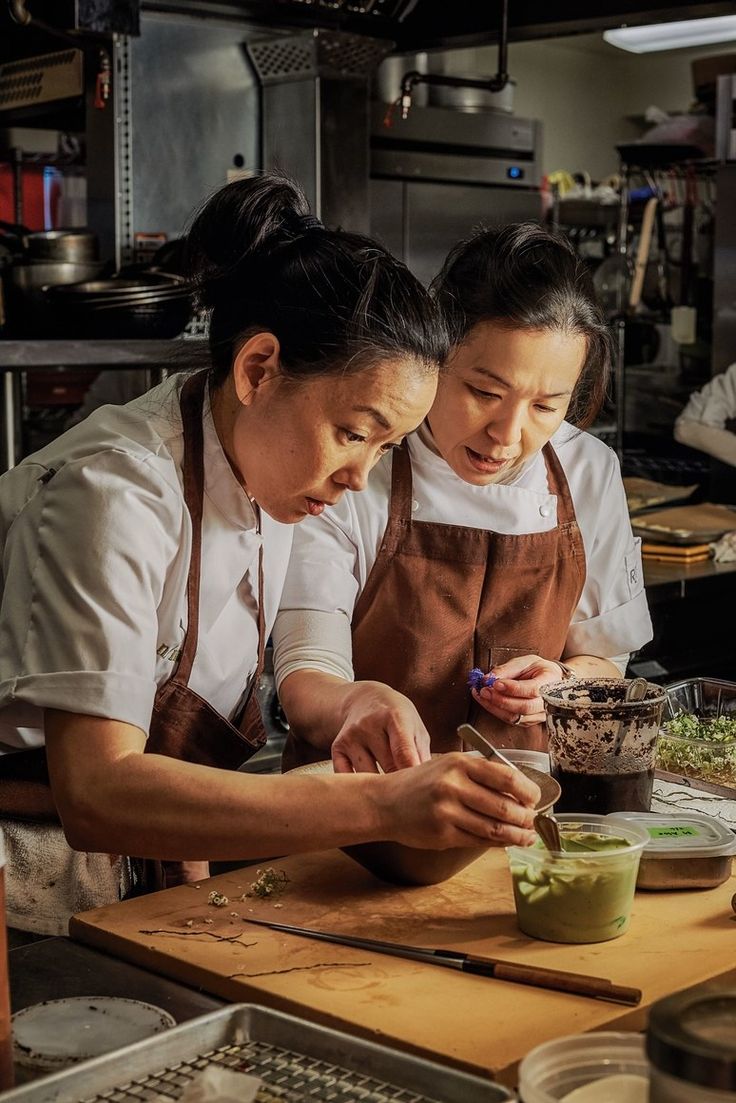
column 192, row 403
column 399, row 511
column 261, row 622
column 559, row 486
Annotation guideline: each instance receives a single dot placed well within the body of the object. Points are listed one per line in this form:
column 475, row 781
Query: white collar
column 220, row 484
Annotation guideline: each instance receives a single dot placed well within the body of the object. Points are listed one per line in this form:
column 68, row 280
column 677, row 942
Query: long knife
column 579, row 984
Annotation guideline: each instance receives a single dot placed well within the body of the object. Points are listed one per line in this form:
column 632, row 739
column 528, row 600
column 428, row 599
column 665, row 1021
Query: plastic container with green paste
column 686, row 850
column 584, row 892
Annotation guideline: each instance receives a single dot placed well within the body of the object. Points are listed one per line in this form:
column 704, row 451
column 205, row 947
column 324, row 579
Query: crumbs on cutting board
column 269, row 882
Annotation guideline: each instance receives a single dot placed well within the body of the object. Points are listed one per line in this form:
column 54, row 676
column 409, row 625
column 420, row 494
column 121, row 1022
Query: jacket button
column 546, row 511
column 414, row 506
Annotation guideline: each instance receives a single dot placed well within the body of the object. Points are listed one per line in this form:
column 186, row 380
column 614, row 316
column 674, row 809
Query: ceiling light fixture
column 673, row 36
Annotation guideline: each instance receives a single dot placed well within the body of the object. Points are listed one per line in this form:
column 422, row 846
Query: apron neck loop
column 401, row 484
column 558, row 485
column 192, row 406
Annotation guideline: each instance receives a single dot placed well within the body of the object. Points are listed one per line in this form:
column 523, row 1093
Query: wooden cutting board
column 484, row 1026
column 691, row 524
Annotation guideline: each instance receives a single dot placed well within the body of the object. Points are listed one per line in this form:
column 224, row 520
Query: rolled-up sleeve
column 312, row 629
column 85, row 564
column 612, row 616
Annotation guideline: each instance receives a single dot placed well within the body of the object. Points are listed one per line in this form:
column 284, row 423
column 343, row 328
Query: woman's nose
column 506, row 428
column 354, row 476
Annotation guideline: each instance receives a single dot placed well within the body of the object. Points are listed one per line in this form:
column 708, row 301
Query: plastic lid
column 692, row 1036
column 681, row 834
column 57, row 1033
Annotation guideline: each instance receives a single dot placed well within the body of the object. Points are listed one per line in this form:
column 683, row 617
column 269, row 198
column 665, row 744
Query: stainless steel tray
column 297, row 1060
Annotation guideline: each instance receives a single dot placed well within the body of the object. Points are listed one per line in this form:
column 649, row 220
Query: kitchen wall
column 588, row 94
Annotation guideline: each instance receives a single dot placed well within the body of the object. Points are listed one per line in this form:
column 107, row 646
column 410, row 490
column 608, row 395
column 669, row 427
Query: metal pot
column 26, row 305
column 76, row 246
column 473, row 99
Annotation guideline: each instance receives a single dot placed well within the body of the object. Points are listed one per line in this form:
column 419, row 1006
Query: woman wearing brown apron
column 498, row 538
column 143, row 555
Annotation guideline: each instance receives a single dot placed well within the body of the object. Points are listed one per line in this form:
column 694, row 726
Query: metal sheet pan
column 297, row 1060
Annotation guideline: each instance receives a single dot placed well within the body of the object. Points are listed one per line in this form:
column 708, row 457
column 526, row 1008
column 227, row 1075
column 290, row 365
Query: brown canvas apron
column 440, row 598
column 183, row 724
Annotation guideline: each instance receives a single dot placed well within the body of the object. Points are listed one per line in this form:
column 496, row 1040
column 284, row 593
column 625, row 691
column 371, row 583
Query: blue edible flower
column 478, row 680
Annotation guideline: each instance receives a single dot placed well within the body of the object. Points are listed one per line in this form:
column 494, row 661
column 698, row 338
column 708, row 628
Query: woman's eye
column 484, row 394
column 389, row 447
column 546, row 409
column 351, row 437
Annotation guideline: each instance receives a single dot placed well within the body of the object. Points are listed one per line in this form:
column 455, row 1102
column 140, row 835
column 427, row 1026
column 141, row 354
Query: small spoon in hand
column 471, row 735
column 548, row 830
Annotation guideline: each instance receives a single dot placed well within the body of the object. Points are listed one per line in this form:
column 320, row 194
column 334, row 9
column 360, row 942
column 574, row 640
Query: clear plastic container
column 578, row 895
column 602, row 747
column 691, row 1046
column 713, row 757
column 550, row 1072
column 686, row 850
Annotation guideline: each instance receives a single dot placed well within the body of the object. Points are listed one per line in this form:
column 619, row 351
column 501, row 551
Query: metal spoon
column 471, row 735
column 548, row 830
column 635, row 691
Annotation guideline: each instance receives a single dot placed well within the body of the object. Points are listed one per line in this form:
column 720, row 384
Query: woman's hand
column 514, row 697
column 459, row 800
column 380, row 728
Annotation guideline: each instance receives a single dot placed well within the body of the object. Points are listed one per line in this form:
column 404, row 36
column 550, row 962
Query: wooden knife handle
column 558, row 980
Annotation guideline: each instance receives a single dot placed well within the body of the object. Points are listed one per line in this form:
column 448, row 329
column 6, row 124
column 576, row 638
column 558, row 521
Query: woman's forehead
column 512, row 356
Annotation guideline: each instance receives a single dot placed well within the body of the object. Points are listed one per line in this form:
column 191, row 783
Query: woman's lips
column 485, row 464
column 315, row 507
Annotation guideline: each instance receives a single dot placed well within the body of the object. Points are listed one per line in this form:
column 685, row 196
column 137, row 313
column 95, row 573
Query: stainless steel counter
column 56, row 968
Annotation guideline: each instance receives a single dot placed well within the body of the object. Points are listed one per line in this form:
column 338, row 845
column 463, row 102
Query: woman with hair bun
column 144, row 553
column 495, row 542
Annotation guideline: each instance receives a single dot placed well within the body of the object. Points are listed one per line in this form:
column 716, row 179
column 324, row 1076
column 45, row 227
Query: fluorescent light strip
column 673, row 36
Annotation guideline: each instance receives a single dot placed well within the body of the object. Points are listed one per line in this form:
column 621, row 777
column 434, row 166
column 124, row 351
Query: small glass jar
column 691, row 1045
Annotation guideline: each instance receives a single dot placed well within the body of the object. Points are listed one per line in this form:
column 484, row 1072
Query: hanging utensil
column 642, row 253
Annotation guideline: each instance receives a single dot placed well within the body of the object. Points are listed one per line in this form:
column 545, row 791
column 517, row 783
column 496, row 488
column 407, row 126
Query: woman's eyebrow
column 504, row 383
column 375, row 414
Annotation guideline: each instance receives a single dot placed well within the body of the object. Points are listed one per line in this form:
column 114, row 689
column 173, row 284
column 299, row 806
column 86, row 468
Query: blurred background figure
column 708, row 421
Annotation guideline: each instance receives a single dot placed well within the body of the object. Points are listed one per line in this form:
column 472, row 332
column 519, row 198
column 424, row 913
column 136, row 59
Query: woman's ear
column 256, row 362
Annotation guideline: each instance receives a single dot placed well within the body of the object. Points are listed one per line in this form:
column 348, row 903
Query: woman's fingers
column 478, row 829
column 348, row 759
column 514, row 711
column 516, row 688
column 496, row 778
column 515, row 667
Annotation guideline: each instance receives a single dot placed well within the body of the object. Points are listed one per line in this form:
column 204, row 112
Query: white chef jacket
column 333, row 554
column 702, row 424
column 94, row 571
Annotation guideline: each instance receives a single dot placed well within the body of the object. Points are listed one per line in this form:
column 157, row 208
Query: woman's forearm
column 114, row 798
column 315, row 705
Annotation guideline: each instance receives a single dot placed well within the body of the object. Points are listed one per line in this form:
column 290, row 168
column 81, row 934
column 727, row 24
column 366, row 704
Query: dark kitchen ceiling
column 411, row 24
column 437, row 24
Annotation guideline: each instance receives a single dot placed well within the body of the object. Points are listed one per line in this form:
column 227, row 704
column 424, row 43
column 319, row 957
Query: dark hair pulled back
column 336, row 301
column 521, row 276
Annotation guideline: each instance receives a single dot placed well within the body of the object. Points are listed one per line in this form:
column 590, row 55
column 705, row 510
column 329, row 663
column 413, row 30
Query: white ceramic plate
column 58, row 1033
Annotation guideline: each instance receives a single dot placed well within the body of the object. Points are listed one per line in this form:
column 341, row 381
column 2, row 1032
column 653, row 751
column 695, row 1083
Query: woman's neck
column 226, row 411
